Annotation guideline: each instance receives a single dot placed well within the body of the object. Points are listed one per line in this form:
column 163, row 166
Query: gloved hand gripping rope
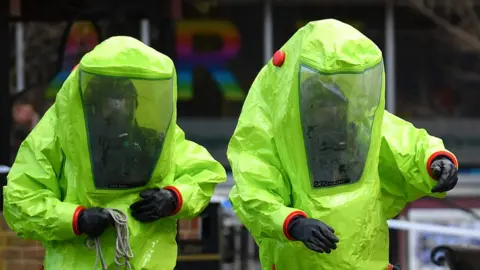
column 123, row 252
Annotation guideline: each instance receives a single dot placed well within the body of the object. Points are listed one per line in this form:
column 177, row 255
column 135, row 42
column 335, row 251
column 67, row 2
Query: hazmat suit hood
column 110, row 135
column 117, row 114
column 314, row 117
column 332, row 91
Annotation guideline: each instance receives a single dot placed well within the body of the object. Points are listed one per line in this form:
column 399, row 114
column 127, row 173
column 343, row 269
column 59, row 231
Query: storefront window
column 437, row 84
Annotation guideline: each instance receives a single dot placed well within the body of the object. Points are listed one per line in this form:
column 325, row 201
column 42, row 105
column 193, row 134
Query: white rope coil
column 123, row 252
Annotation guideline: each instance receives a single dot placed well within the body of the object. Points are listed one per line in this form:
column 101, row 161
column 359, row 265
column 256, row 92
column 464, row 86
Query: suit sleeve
column 32, row 197
column 406, row 155
column 261, row 194
column 196, row 175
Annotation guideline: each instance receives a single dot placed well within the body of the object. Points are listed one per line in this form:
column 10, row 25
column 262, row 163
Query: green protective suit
column 52, row 176
column 276, row 168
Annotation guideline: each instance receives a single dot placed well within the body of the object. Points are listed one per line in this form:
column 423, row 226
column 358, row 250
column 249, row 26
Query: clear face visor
column 337, row 113
column 126, row 122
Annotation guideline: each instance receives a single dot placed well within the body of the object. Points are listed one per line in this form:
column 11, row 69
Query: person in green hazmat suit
column 110, row 141
column 319, row 165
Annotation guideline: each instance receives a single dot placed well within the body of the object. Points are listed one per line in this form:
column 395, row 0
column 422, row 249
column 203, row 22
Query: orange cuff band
column 75, row 219
column 179, row 199
column 288, row 220
column 440, row 154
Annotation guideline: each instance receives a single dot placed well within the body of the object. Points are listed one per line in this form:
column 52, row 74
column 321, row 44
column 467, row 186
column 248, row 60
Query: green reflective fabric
column 337, row 112
column 340, row 73
column 127, row 121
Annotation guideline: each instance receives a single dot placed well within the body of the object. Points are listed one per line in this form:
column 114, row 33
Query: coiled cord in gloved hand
column 123, row 252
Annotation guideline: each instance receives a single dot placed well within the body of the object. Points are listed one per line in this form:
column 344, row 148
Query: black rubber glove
column 315, row 234
column 446, row 174
column 155, row 204
column 94, row 221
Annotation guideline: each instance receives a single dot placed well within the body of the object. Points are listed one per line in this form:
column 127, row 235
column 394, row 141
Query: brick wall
column 16, row 253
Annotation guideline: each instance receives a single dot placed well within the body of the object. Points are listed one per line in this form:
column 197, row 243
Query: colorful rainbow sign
column 215, row 62
column 82, row 38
